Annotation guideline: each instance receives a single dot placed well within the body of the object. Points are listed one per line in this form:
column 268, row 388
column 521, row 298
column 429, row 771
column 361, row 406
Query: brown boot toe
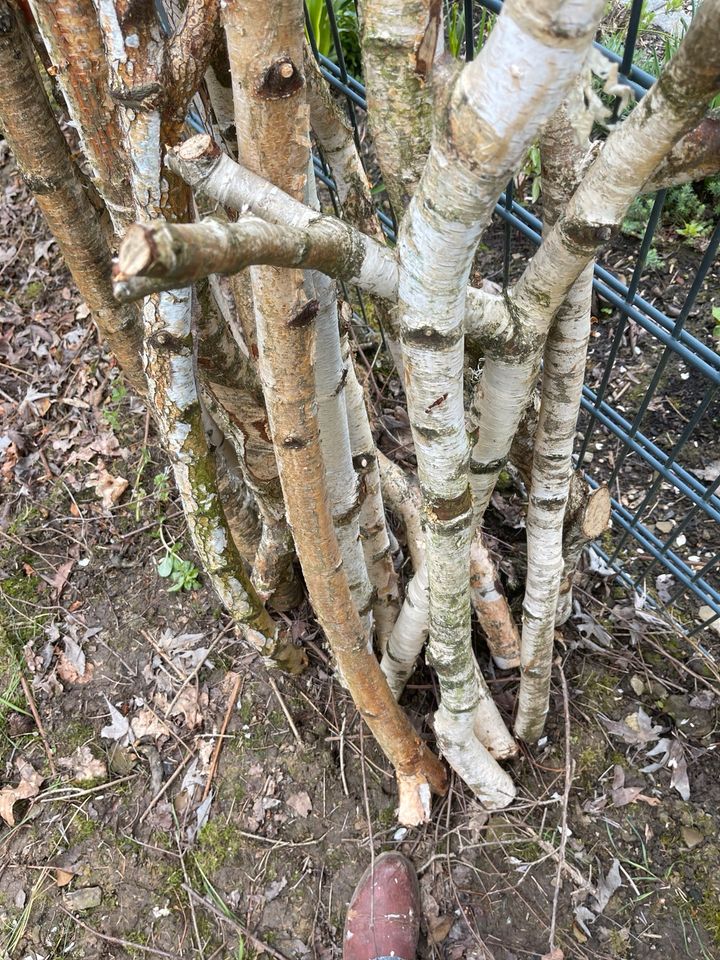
column 383, row 919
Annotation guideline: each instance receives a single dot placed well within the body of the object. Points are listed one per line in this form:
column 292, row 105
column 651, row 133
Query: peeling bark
column 72, row 37
column 694, row 157
column 492, row 607
column 49, row 169
column 399, row 39
column 286, row 369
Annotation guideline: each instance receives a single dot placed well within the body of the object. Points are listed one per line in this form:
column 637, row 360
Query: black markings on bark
column 490, row 467
column 584, row 236
column 430, row 338
column 281, row 79
column 166, row 342
column 294, row 443
column 452, row 509
column 305, row 315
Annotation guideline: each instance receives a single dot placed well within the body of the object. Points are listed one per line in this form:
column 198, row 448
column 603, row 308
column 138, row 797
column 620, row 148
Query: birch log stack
column 222, row 308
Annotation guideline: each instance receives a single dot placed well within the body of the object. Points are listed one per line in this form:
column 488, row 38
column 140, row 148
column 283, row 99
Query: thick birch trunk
column 399, row 39
column 476, row 148
column 286, row 331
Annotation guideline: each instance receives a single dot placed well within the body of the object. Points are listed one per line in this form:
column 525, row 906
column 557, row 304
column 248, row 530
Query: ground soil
column 134, row 844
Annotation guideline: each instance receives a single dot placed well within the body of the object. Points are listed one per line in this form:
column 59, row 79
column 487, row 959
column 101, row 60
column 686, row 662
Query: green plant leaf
column 165, row 567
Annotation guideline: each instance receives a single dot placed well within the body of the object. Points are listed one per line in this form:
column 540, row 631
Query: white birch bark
column 342, row 480
column 373, row 524
column 563, row 377
column 496, row 107
column 632, row 152
column 354, row 257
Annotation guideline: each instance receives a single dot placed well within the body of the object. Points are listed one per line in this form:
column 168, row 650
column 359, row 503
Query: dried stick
column 38, row 722
column 118, row 941
column 565, row 804
column 234, row 693
column 257, row 944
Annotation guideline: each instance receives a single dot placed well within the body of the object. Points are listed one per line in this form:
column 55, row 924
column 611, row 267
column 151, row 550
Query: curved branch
column 694, row 157
column 628, row 160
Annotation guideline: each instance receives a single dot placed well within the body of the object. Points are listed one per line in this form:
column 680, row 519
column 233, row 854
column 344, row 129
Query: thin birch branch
column 155, row 257
column 207, row 170
column 551, row 472
column 628, row 159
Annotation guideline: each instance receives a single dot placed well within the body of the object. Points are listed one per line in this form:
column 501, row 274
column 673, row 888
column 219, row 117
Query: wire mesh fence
column 648, row 425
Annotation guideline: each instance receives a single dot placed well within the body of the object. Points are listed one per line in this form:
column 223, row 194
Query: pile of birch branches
column 211, row 272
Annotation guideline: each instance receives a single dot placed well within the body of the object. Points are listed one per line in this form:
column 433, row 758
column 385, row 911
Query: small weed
column 183, row 574
column 716, row 320
column 653, row 261
column 161, row 487
column 693, row 229
column 111, row 409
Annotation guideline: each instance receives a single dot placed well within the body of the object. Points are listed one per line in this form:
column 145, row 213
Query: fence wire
column 652, row 471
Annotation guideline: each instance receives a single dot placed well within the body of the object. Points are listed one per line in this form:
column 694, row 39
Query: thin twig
column 284, row 708
column 38, row 722
column 565, row 802
column 118, row 941
column 342, row 758
column 234, row 693
column 235, row 924
column 163, row 789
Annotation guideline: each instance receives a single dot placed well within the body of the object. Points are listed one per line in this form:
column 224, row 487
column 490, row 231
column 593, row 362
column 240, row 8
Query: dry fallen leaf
column 190, row 704
column 118, row 728
column 109, row 488
column 636, row 728
column 72, row 666
column 146, row 723
column 29, row 786
column 606, row 888
column 61, row 577
column 83, row 765
column 300, row 803
column 439, row 928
